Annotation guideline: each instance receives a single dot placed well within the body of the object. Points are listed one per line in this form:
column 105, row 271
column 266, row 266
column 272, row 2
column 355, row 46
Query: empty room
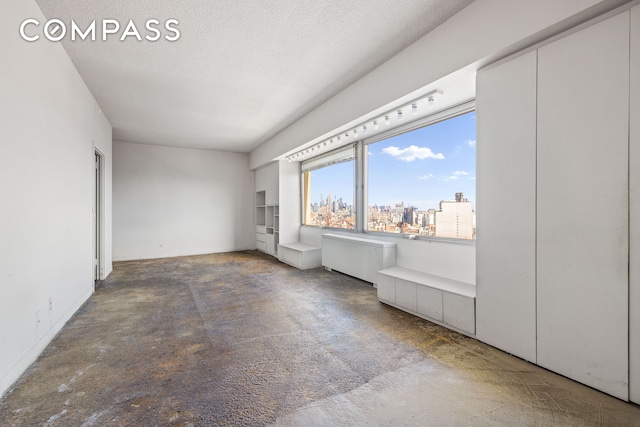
column 334, row 213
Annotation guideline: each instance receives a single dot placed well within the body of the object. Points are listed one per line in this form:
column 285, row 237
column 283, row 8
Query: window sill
column 392, row 236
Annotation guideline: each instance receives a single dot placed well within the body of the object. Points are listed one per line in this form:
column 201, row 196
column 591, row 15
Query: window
column 416, row 179
column 421, row 179
column 328, row 184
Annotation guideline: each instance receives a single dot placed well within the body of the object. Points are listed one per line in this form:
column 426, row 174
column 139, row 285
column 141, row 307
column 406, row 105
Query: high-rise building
column 410, row 215
column 455, row 218
column 431, row 222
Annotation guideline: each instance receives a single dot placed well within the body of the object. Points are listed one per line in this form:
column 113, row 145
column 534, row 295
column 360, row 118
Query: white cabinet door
column 271, row 246
column 429, row 302
column 386, row 288
column 506, row 188
column 406, row 295
column 459, row 312
column 582, row 206
column 291, row 257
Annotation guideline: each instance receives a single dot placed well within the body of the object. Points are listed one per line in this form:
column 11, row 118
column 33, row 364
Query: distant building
column 431, row 222
column 410, row 215
column 455, row 218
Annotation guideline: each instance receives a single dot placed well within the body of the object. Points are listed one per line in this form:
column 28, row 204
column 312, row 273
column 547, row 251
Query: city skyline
column 453, row 219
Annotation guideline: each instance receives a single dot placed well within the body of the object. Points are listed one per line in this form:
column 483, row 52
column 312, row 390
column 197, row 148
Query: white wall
column 50, row 123
column 175, row 201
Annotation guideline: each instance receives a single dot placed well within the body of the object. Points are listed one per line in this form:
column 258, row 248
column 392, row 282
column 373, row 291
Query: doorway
column 98, row 166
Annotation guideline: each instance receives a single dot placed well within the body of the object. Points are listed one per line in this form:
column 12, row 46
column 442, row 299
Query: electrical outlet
column 50, row 304
column 37, row 318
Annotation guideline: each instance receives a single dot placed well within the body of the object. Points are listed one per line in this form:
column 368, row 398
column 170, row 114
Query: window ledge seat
column 447, row 302
column 300, row 255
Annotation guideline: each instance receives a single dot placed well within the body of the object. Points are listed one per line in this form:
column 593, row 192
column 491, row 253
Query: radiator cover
column 357, row 256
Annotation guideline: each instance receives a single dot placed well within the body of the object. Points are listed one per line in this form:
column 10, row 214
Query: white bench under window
column 300, row 255
column 443, row 301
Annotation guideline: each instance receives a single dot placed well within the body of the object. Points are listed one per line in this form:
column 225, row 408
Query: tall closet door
column 634, row 198
column 582, row 206
column 506, row 189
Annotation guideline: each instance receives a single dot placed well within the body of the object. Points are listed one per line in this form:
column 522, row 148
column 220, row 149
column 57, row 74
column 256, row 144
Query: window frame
column 360, row 181
column 323, row 161
column 432, row 119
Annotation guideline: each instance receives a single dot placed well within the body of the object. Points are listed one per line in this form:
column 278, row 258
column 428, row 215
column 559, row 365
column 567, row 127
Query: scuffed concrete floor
column 240, row 339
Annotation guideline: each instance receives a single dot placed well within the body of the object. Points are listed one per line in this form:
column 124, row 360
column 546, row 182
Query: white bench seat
column 300, row 255
column 448, row 302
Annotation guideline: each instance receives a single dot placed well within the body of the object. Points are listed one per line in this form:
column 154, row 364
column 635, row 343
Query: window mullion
column 361, row 204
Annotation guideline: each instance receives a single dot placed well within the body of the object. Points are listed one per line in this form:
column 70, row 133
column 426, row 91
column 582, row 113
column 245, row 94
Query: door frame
column 97, row 208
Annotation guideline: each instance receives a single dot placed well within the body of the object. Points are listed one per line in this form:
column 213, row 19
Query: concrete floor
column 240, row 339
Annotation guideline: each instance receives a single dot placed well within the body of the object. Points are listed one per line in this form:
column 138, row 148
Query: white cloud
column 412, row 153
column 452, row 177
column 426, row 177
column 460, row 173
column 472, row 178
column 471, row 143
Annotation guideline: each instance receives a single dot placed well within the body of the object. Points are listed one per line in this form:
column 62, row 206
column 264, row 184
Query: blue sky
column 419, row 168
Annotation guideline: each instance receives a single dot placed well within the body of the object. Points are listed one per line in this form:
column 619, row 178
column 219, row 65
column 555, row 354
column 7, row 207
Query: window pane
column 423, row 181
column 328, row 196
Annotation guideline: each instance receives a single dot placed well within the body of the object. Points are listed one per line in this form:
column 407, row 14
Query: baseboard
column 13, row 375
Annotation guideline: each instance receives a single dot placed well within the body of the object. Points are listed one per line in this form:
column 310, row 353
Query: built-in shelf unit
column 277, row 187
column 267, row 231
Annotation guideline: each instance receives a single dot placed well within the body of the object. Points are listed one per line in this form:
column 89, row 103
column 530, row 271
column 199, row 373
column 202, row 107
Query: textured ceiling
column 242, row 70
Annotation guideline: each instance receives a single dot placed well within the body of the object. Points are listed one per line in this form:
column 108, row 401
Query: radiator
column 357, row 256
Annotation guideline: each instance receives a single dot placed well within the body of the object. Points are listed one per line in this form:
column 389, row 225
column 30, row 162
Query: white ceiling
column 242, row 70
